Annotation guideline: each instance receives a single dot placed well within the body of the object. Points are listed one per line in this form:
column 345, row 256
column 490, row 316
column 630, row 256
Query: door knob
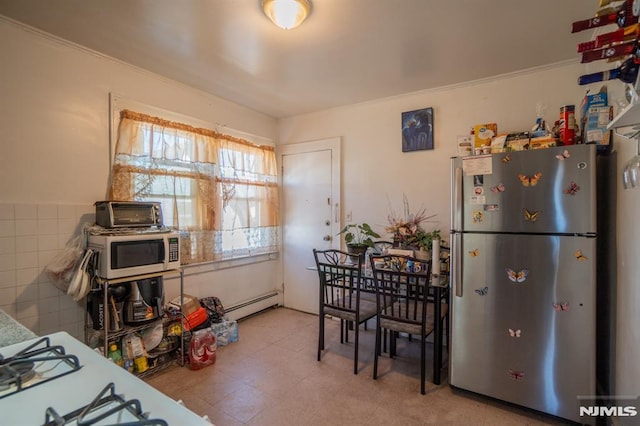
column 327, row 238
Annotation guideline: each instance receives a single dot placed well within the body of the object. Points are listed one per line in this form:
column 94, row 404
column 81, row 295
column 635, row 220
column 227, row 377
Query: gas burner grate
column 16, row 374
column 106, row 406
column 38, row 363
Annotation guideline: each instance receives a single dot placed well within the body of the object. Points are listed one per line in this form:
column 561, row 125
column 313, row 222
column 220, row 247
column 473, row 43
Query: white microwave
column 128, row 254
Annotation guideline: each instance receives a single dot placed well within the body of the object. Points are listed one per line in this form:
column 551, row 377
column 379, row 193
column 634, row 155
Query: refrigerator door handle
column 457, row 200
column 457, row 203
column 456, row 258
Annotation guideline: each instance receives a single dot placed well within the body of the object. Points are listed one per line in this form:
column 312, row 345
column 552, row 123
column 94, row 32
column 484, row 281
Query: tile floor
column 271, row 377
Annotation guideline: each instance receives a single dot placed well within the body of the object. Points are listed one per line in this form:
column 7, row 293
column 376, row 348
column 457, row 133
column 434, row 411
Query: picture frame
column 417, row 130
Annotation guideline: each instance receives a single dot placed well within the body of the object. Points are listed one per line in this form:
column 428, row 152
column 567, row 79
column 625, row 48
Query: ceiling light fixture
column 287, row 14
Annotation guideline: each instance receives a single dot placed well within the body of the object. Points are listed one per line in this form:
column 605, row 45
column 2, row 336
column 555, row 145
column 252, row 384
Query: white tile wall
column 30, row 236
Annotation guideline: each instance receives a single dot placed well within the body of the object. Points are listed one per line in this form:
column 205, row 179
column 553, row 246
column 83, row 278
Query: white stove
column 58, row 380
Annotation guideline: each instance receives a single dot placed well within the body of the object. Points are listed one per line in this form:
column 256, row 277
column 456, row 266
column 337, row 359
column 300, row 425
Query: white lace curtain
column 218, row 190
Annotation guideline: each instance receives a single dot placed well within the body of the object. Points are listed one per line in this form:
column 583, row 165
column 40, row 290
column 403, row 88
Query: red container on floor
column 202, row 349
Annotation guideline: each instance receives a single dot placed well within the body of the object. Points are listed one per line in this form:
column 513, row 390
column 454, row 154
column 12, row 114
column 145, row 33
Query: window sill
column 199, row 268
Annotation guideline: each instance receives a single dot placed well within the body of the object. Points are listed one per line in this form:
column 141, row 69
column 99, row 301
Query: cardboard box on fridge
column 542, row 142
column 590, row 101
column 465, row 145
column 517, row 141
column 483, row 134
column 597, row 119
column 595, row 100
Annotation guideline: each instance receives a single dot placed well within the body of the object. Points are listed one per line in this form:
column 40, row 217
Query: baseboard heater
column 252, row 306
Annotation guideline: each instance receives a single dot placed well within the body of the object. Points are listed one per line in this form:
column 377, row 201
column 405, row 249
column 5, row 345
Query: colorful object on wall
column 474, row 253
column 517, row 277
column 565, row 154
column 530, row 180
column 478, row 216
column 506, row 158
column 417, row 130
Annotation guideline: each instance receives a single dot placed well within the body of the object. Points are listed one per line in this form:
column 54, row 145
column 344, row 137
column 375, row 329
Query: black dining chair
column 340, row 287
column 409, row 304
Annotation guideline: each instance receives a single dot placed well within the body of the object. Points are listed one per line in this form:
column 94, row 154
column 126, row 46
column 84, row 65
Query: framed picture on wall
column 417, row 130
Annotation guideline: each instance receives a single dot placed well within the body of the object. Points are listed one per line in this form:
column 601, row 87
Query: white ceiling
column 348, row 51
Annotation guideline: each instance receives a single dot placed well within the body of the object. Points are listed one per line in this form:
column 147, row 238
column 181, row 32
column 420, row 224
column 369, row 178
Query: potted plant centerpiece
column 358, row 237
column 407, row 229
column 422, row 241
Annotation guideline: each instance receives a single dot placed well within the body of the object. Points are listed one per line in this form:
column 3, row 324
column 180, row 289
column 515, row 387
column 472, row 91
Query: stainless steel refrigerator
column 533, row 272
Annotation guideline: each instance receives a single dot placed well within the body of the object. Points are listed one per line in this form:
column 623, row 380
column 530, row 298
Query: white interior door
column 311, row 215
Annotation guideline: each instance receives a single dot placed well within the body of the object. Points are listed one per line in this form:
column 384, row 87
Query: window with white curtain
column 218, row 190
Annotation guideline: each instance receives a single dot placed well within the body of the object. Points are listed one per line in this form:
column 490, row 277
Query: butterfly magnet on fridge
column 561, row 306
column 529, row 180
column 564, row 155
column 579, row 256
column 482, row 291
column 517, row 277
column 516, row 375
column 515, row 333
column 498, row 188
column 572, row 189
column 531, row 216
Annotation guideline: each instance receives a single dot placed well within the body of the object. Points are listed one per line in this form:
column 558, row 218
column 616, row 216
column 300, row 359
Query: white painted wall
column 376, row 172
column 54, row 147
